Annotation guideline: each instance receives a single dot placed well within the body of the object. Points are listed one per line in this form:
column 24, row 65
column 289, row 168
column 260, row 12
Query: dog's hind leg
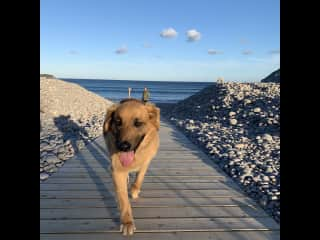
column 120, row 183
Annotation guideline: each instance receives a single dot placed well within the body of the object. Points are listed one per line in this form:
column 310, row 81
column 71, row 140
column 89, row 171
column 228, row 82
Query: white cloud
column 247, row 52
column 193, row 35
column 168, row 33
column 122, row 50
column 214, row 52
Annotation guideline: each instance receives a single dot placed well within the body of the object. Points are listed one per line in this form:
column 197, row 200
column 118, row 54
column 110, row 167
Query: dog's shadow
column 88, row 158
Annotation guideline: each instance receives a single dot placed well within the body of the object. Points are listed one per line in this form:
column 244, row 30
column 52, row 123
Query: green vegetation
column 47, row 76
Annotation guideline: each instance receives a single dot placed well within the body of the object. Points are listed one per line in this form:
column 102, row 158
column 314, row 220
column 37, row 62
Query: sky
column 167, row 40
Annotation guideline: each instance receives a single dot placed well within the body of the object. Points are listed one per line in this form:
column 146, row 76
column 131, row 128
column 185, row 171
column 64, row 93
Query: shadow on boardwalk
column 73, row 131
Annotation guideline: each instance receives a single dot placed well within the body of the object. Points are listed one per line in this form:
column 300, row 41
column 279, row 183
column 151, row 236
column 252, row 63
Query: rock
column 232, row 114
column 237, row 160
column 257, row 110
column 240, row 146
column 273, row 198
column 63, row 156
column 259, row 141
column 267, row 137
column 247, row 101
column 265, row 179
column 59, row 164
column 51, row 159
column 44, row 145
column 61, row 149
column 48, row 167
column 43, row 176
column 265, row 146
column 269, row 170
column 233, row 121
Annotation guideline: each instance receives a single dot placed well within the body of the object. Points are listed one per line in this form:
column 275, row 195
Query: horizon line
column 142, row 80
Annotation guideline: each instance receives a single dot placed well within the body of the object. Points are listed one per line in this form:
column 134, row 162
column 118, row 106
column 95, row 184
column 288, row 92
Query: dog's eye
column 137, row 123
column 118, row 122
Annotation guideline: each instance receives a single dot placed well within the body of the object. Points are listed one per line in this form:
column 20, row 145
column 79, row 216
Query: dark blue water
column 160, row 92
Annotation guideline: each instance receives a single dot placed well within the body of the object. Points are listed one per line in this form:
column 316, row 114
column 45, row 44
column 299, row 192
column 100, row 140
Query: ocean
column 160, row 91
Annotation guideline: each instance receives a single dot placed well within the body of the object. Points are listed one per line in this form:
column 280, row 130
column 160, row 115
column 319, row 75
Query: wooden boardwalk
column 184, row 196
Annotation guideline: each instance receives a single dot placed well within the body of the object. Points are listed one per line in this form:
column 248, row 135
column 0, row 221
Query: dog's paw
column 134, row 192
column 127, row 228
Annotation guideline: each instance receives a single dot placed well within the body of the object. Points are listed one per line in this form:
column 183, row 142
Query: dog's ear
column 109, row 117
column 154, row 114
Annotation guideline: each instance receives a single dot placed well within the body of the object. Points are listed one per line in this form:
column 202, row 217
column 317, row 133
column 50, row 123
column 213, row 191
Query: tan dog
column 131, row 135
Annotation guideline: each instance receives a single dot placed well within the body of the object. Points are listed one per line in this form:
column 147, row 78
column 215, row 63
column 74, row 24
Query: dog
column 130, row 132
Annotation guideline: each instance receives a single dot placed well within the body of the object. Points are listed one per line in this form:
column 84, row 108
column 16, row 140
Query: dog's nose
column 124, row 146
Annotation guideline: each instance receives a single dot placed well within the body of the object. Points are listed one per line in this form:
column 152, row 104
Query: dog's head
column 129, row 122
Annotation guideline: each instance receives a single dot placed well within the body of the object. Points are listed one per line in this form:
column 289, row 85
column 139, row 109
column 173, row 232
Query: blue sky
column 117, row 39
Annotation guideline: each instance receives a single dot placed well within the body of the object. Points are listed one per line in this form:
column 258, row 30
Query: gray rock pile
column 273, row 77
column 70, row 117
column 238, row 125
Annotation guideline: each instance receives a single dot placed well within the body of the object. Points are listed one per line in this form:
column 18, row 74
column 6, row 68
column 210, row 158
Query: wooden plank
column 104, row 163
column 162, row 158
column 169, row 212
column 104, row 175
column 206, row 193
column 215, row 184
column 173, row 149
column 147, row 202
column 177, row 161
column 107, row 176
column 101, row 174
column 153, row 165
column 162, row 162
column 203, row 169
column 156, row 166
column 158, row 225
column 232, row 235
column 161, row 153
column 151, row 171
column 171, row 179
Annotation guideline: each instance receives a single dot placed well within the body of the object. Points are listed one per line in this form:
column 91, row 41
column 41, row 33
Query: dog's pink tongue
column 126, row 158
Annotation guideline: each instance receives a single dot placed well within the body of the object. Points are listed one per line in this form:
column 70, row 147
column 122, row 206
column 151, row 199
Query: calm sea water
column 160, row 92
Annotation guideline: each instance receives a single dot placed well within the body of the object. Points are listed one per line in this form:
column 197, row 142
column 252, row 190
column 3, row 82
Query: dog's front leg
column 127, row 226
column 136, row 186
